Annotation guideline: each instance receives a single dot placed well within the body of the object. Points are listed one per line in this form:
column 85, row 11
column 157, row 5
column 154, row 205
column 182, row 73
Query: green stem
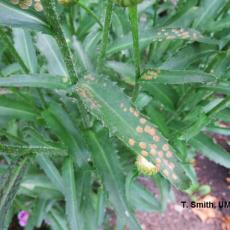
column 105, row 36
column 55, row 26
column 136, row 50
column 90, row 12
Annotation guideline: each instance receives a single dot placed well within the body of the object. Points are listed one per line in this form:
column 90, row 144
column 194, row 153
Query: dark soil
column 177, row 218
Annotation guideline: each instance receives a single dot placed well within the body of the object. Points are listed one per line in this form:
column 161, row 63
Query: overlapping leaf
column 176, row 76
column 10, row 187
column 164, row 34
column 16, row 17
column 109, row 168
column 211, row 150
column 109, row 104
column 35, row 80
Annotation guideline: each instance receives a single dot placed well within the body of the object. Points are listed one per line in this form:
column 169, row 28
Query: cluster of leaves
column 83, row 98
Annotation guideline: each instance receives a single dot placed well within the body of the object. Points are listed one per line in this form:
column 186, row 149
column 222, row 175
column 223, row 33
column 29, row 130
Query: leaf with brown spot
column 127, row 127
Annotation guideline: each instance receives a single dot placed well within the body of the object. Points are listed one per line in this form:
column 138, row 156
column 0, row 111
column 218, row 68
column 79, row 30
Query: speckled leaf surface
column 108, row 103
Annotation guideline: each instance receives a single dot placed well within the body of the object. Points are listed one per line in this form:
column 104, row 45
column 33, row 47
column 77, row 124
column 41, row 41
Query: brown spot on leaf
column 139, row 129
column 143, row 145
column 131, row 142
column 165, row 147
column 169, row 154
column 144, row 153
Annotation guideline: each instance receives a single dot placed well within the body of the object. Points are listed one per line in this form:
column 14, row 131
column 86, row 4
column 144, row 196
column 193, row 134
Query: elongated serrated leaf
column 158, row 76
column 222, row 87
column 24, row 150
column 37, row 185
column 72, row 205
column 211, row 150
column 35, row 80
column 86, row 197
column 9, row 44
column 61, row 123
column 16, row 108
column 185, row 57
column 165, row 34
column 142, row 199
column 109, row 168
column 49, row 48
column 15, row 17
column 218, row 130
column 9, row 189
column 57, row 220
column 51, row 171
column 110, row 105
column 25, row 48
column 208, row 10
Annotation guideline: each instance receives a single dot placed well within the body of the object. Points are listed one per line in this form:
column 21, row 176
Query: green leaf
column 222, row 87
column 218, row 130
column 86, row 197
column 185, row 57
column 37, row 214
column 11, row 49
column 158, row 76
column 109, row 168
column 57, row 220
column 24, row 150
column 35, row 80
column 110, row 105
column 100, row 207
column 39, row 186
column 15, row 17
column 72, row 211
column 16, row 108
column 63, row 126
column 142, row 199
column 25, row 48
column 126, row 71
column 208, row 10
column 164, row 188
column 9, row 189
column 51, row 172
column 49, row 48
column 165, row 34
column 211, row 150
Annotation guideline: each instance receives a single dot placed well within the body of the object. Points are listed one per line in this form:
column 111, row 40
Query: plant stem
column 55, row 25
column 136, row 50
column 105, row 36
column 89, row 11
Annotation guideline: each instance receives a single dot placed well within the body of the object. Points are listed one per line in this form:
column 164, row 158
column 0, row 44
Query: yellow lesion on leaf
column 145, row 167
